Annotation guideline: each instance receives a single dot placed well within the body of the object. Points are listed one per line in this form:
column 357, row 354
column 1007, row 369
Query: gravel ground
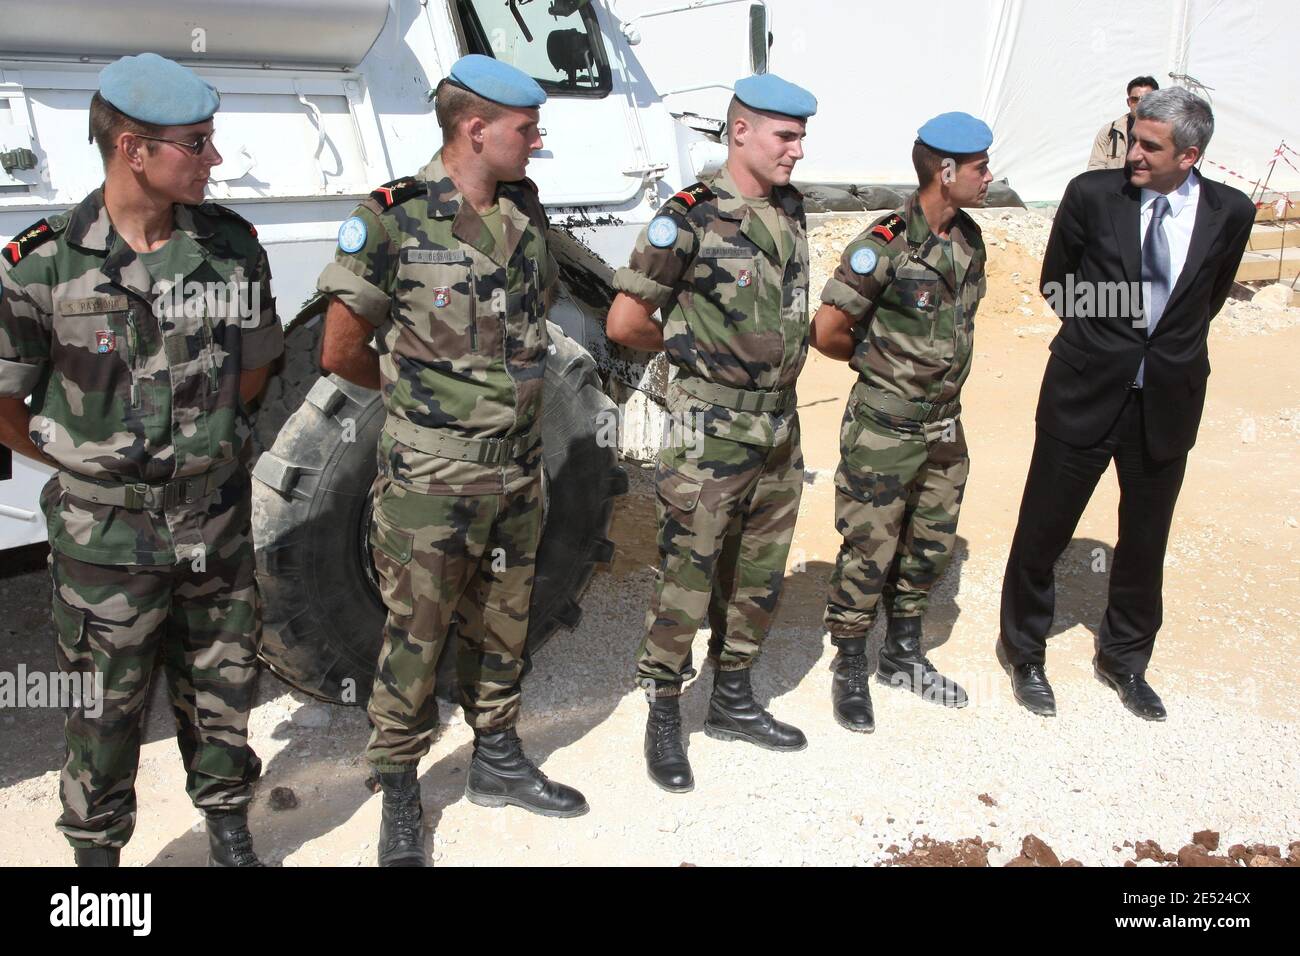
column 1087, row 782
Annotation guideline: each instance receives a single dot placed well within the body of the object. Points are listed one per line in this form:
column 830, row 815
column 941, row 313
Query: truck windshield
column 557, row 42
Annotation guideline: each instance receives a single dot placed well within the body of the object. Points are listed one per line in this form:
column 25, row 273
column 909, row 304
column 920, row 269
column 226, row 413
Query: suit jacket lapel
column 1209, row 220
column 1126, row 218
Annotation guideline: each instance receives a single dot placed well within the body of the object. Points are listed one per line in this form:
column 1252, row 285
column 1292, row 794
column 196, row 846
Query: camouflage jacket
column 736, row 302
column 461, row 324
column 914, row 297
column 136, row 379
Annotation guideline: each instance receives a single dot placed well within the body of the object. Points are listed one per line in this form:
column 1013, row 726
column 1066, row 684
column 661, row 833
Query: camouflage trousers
column 114, row 623
column 727, row 513
column 898, row 493
column 465, row 560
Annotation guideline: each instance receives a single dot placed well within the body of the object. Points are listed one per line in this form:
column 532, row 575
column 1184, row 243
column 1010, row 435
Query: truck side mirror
column 760, row 39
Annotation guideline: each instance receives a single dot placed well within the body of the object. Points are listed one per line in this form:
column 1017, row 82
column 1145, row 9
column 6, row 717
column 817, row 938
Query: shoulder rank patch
column 30, row 238
column 691, row 196
column 888, row 229
column 397, row 192
column 216, row 209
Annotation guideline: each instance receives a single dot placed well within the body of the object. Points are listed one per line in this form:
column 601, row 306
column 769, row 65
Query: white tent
column 1045, row 75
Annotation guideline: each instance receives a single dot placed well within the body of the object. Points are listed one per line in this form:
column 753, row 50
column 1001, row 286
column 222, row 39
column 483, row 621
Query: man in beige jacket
column 1114, row 139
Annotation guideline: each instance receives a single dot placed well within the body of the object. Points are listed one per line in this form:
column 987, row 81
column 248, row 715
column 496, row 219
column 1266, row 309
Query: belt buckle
column 146, row 494
column 490, row 453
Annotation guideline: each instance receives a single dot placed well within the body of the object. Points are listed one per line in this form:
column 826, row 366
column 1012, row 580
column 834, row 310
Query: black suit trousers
column 1060, row 483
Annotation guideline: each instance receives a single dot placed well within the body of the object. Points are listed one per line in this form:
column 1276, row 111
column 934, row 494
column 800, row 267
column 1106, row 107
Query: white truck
column 323, row 100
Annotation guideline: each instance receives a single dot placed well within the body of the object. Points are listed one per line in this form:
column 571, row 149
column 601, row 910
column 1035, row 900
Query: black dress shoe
column 903, row 665
column 500, row 775
column 665, row 756
column 735, row 715
column 401, row 825
column 851, row 687
column 1030, row 687
column 1134, row 693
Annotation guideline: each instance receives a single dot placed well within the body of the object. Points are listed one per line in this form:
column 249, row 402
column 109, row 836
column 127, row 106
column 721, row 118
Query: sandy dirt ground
column 1092, row 783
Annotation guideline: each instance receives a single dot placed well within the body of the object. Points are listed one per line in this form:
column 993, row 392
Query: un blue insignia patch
column 352, row 235
column 863, row 262
column 662, row 232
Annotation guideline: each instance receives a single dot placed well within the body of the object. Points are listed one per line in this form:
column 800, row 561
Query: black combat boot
column 401, row 830
column 500, row 774
column 665, row 756
column 851, row 686
column 903, row 665
column 229, row 842
column 97, row 855
column 735, row 715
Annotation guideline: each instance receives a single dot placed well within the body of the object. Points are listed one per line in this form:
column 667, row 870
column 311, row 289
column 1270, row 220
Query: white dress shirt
column 1177, row 225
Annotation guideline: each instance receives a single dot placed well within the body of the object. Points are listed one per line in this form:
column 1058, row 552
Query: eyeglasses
column 197, row 147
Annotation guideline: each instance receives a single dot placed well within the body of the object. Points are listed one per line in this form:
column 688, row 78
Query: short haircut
column 738, row 110
column 453, row 104
column 1142, row 81
column 927, row 162
column 107, row 123
column 1188, row 115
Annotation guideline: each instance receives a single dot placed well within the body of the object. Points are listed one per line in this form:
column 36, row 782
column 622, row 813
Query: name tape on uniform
column 97, row 303
column 434, row 255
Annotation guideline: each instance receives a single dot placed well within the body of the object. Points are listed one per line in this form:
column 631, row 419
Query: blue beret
column 770, row 93
column 496, row 81
column 956, row 133
column 154, row 89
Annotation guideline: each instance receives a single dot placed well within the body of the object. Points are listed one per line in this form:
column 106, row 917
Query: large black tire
column 323, row 617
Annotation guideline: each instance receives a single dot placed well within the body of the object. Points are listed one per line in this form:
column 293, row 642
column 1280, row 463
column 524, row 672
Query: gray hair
column 1190, row 116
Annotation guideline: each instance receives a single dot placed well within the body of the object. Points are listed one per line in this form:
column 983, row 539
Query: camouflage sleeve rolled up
column 654, row 269
column 25, row 309
column 864, row 272
column 263, row 338
column 365, row 265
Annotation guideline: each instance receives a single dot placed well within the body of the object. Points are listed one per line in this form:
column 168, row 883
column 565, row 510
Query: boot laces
column 857, row 672
column 667, row 728
column 240, row 844
column 405, row 817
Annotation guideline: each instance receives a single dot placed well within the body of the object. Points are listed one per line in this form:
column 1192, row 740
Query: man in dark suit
column 1136, row 267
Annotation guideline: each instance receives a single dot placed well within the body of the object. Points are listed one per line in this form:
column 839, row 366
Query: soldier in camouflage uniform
column 137, row 339
column 726, row 260
column 454, row 284
column 900, row 308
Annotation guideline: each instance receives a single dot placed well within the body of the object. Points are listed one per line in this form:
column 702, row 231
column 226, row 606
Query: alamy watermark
column 1098, row 300
column 78, row 691
column 235, row 299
